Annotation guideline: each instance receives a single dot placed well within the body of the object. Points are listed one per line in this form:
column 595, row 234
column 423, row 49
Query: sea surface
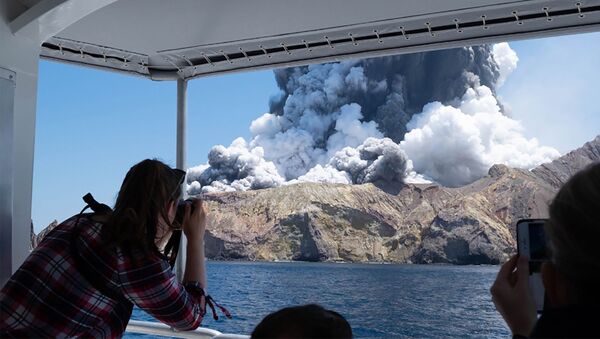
column 378, row 300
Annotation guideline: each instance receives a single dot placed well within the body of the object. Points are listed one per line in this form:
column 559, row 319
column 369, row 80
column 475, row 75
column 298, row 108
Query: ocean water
column 379, row 301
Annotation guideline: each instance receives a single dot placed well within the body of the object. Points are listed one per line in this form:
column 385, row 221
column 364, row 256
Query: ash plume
column 233, row 168
column 374, row 160
column 388, row 89
column 327, row 117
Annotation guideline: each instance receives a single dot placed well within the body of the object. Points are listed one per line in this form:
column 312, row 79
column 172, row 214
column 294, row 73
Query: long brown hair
column 145, row 194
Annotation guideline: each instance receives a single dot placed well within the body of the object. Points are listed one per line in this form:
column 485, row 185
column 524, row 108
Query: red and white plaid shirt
column 49, row 297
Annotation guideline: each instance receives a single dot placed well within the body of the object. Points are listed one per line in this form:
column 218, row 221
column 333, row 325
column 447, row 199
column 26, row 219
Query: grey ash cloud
column 379, row 119
column 390, row 90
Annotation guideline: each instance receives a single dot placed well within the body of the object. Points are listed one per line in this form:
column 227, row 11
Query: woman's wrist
column 195, row 242
column 195, row 236
column 197, row 239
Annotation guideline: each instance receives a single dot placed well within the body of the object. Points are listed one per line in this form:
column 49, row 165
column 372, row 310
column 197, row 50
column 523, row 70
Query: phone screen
column 537, row 242
column 532, row 243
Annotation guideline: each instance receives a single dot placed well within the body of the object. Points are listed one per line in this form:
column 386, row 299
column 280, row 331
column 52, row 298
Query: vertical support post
column 19, row 57
column 181, row 163
column 7, row 94
column 181, row 122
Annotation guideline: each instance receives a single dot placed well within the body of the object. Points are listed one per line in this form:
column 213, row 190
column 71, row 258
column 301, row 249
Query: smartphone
column 531, row 242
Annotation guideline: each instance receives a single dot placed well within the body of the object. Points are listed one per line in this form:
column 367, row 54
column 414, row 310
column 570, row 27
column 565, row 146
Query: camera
column 181, row 210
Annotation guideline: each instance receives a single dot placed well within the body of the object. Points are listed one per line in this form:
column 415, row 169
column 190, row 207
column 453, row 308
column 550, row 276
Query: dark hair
column 574, row 233
column 147, row 189
column 308, row 321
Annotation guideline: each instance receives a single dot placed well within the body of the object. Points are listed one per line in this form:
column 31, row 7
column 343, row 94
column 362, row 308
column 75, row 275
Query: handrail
column 148, row 327
column 231, row 336
column 156, row 328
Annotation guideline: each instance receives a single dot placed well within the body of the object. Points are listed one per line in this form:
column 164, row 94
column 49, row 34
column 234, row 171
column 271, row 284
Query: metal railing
column 155, row 328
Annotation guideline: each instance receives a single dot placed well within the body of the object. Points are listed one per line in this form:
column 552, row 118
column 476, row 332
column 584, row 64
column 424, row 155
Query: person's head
column 308, row 321
column 145, row 207
column 573, row 274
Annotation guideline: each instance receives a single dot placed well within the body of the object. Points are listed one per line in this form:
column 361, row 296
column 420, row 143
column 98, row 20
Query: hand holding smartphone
column 531, row 242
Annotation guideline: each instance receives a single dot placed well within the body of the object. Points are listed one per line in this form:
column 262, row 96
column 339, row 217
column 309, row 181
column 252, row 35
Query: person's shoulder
column 56, row 230
column 83, row 218
column 77, row 219
column 78, row 229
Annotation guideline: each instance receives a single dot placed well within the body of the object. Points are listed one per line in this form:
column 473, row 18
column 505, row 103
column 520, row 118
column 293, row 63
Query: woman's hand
column 512, row 296
column 194, row 223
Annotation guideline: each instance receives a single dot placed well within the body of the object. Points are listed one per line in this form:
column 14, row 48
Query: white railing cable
column 155, row 328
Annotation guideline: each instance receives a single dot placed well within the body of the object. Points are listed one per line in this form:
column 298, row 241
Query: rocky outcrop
column 374, row 223
column 317, row 222
column 35, row 239
column 557, row 172
column 512, row 194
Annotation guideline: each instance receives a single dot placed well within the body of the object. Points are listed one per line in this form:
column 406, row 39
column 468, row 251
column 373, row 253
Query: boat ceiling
column 163, row 39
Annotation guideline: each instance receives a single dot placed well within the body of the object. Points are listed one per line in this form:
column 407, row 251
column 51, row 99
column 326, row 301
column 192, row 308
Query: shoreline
column 370, row 263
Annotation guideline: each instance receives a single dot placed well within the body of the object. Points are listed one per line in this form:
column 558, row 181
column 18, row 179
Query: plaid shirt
column 49, row 297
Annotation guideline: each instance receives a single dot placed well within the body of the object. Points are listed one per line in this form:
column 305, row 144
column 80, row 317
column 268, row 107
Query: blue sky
column 92, row 126
column 554, row 90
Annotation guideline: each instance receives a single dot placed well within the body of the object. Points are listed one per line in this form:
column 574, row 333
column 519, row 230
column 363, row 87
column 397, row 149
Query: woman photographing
column 85, row 276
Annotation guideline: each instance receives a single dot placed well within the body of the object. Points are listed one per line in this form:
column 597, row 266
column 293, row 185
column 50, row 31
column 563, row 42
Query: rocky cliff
column 377, row 223
column 560, row 170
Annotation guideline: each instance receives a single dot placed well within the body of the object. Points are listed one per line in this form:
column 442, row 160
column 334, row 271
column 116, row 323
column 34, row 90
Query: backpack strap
column 82, row 267
column 172, row 247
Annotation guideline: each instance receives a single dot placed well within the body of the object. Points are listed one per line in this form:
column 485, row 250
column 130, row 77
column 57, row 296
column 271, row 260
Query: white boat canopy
column 184, row 39
column 190, row 38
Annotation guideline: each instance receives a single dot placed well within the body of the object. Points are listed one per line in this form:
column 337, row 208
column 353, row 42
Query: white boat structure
column 181, row 40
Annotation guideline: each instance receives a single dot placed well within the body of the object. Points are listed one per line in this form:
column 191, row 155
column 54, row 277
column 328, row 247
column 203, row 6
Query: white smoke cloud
column 350, row 130
column 233, row 168
column 506, row 59
column 324, row 174
column 457, row 145
column 412, row 177
column 372, row 161
column 376, row 159
column 295, row 149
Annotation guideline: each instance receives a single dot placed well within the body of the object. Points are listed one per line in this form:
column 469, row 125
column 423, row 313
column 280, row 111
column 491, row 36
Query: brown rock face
column 557, row 172
column 367, row 223
column 36, row 239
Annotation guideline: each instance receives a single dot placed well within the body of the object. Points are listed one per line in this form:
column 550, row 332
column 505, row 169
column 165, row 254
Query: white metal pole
column 19, row 57
column 181, row 163
column 7, row 93
column 181, row 122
